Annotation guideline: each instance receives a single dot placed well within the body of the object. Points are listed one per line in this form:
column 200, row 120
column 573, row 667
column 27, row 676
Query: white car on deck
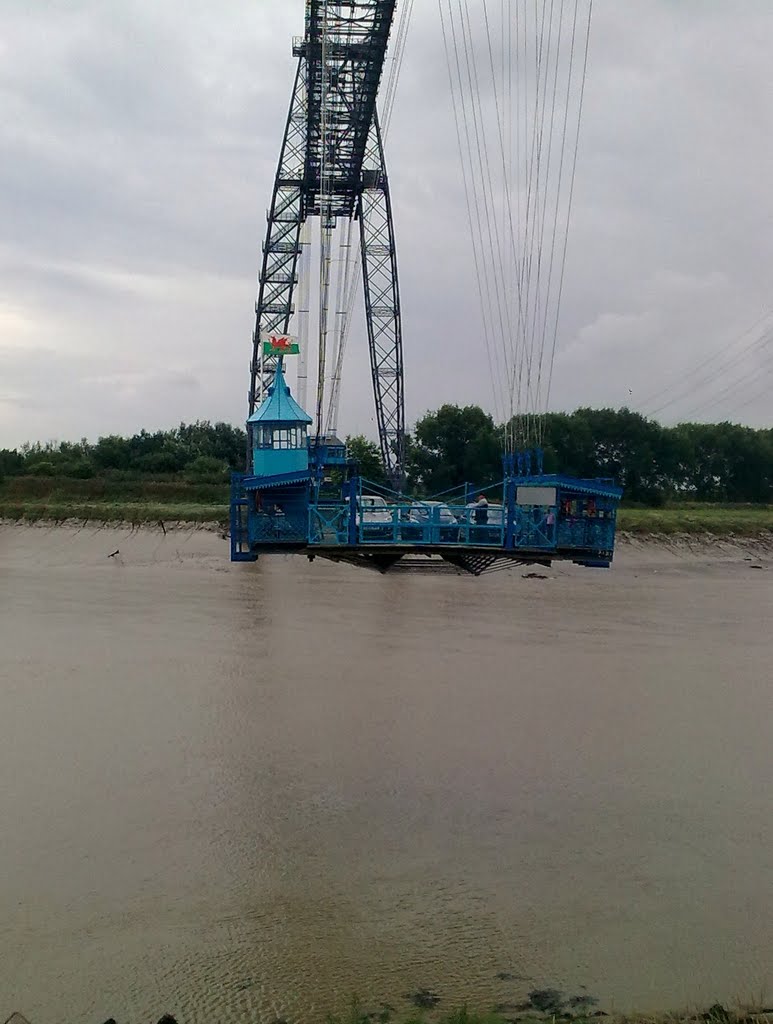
column 431, row 520
column 375, row 516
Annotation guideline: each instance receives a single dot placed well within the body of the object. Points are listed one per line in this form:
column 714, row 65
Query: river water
column 245, row 792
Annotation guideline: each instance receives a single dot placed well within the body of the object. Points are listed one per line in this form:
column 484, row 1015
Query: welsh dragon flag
column 279, row 344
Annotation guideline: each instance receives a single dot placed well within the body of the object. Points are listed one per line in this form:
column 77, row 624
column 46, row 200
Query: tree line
column 718, row 462
column 697, row 461
column 202, row 450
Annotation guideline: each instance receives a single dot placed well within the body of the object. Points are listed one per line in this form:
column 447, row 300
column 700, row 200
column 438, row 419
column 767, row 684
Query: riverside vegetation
column 691, row 478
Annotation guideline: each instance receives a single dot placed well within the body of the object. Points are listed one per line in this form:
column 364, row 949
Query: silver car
column 431, row 521
column 373, row 517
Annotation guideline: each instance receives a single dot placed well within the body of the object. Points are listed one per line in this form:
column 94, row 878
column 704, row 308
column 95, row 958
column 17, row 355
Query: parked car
column 431, row 521
column 375, row 516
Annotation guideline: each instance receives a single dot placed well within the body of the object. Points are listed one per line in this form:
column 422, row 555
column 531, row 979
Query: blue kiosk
column 270, row 505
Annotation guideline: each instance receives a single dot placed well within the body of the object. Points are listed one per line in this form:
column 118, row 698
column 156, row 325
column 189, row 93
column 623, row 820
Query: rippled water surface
column 244, row 792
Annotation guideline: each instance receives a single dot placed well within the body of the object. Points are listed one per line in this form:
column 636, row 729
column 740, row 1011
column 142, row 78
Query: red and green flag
column 279, row 344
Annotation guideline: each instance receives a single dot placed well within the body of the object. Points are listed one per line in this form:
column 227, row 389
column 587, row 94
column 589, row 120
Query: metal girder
column 340, row 62
column 344, row 48
column 382, row 305
column 281, row 248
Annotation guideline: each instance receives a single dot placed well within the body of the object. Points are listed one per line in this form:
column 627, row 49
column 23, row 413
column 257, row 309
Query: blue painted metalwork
column 579, row 525
column 240, row 545
column 332, row 165
column 277, row 432
column 305, row 496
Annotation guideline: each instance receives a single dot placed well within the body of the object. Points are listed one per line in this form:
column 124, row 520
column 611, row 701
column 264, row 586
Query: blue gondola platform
column 303, row 495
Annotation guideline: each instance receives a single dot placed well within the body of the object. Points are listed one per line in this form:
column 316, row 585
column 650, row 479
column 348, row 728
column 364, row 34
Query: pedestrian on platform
column 481, row 510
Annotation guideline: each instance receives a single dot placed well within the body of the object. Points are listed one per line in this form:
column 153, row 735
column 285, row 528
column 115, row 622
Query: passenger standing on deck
column 481, row 510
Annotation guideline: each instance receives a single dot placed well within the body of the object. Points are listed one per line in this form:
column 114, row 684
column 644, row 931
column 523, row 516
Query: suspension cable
column 517, row 207
column 569, row 204
column 325, row 222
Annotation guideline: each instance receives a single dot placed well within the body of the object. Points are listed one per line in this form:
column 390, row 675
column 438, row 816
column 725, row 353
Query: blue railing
column 329, row 524
column 595, row 534
column 534, row 527
column 240, row 543
column 279, row 528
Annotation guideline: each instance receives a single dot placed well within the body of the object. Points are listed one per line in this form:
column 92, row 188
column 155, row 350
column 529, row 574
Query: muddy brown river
column 245, row 792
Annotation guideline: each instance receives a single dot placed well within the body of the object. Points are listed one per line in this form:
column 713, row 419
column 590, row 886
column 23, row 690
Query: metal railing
column 416, row 525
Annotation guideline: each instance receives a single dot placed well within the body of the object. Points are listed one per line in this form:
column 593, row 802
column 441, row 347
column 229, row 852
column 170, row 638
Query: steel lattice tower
column 331, row 166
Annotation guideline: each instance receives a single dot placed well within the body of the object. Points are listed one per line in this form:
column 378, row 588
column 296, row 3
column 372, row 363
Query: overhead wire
column 492, row 238
column 396, row 66
column 733, row 385
column 516, row 242
column 726, row 357
column 304, row 283
column 571, row 197
column 757, row 395
column 532, row 205
column 341, row 321
column 542, row 327
column 472, row 199
column 500, row 104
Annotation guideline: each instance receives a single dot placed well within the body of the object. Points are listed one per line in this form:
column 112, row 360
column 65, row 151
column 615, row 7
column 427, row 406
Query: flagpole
column 262, row 358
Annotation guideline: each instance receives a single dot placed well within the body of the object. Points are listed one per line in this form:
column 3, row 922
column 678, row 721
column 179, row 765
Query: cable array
column 718, row 378
column 517, row 73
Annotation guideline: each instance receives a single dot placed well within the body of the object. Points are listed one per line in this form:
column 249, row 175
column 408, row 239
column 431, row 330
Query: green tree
column 77, row 468
column 42, row 467
column 11, row 462
column 218, row 441
column 452, row 446
column 367, row 455
column 207, row 467
column 112, row 452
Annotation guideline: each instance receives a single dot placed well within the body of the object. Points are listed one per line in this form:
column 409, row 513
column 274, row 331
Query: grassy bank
column 720, row 520
column 165, row 500
column 137, row 512
column 134, row 500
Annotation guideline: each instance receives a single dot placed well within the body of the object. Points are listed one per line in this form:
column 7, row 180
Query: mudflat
column 245, row 792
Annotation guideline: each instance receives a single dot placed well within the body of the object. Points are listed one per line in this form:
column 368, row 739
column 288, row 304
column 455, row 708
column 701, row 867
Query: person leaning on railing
column 480, row 514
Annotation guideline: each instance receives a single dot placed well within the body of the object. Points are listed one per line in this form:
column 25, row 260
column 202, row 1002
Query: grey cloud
column 138, row 151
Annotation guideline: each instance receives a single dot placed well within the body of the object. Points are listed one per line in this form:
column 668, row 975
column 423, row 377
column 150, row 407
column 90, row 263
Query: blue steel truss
column 340, row 62
column 382, row 306
column 281, row 248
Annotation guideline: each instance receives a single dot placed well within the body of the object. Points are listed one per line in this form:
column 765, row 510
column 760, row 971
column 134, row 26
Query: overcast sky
column 138, row 145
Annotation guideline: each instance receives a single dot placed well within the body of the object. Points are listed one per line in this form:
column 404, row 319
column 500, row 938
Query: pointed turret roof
column 279, row 406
